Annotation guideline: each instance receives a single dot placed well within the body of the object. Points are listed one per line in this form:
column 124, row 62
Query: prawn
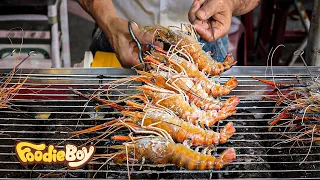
column 177, row 104
column 187, row 44
column 310, row 105
column 182, row 65
column 8, row 92
column 178, row 129
column 194, row 92
column 159, row 150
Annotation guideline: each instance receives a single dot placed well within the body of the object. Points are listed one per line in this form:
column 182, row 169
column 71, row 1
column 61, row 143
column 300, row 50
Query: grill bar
column 261, row 153
column 56, row 139
column 170, row 172
column 220, row 147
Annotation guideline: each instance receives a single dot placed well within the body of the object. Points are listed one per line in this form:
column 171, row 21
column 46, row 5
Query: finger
column 192, row 12
column 143, row 37
column 221, row 25
column 129, row 58
column 132, row 45
column 202, row 24
column 205, row 34
column 210, row 35
column 136, row 62
column 134, row 50
column 205, row 31
column 207, row 10
column 220, row 28
column 146, row 38
column 159, row 44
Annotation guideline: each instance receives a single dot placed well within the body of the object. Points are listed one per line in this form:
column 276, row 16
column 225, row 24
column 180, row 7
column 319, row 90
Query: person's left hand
column 208, row 14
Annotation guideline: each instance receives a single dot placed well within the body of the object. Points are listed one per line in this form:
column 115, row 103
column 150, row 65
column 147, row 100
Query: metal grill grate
column 47, row 92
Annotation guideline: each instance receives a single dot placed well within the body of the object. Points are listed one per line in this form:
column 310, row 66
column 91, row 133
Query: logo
column 72, row 156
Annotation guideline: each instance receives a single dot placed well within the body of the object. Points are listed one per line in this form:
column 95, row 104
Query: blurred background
column 61, row 32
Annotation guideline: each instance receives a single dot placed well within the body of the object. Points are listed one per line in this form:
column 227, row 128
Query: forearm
column 102, row 11
column 244, row 6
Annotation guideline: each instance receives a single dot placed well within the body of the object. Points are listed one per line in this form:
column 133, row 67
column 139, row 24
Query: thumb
column 143, row 37
column 146, row 38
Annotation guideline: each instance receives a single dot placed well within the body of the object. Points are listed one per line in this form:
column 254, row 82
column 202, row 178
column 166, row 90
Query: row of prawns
column 175, row 107
column 300, row 113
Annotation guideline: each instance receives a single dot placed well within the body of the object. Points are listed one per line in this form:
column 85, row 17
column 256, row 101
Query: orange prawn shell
column 181, row 130
column 177, row 62
column 169, row 100
column 156, row 150
column 189, row 159
column 192, row 71
column 192, row 47
column 161, row 151
column 180, row 107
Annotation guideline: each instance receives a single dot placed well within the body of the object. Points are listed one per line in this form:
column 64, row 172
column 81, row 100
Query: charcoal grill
column 47, row 92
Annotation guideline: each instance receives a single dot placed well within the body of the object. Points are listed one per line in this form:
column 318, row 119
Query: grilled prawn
column 181, row 65
column 177, row 104
column 180, row 130
column 188, row 45
column 195, row 92
column 159, row 150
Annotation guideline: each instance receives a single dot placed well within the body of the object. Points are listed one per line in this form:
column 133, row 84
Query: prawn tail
column 228, row 63
column 231, row 83
column 223, row 114
column 224, row 66
column 233, row 101
column 227, row 132
column 226, row 157
column 229, row 112
column 218, row 90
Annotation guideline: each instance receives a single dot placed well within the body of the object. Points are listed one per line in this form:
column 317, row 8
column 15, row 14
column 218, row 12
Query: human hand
column 120, row 40
column 117, row 32
column 212, row 18
column 210, row 14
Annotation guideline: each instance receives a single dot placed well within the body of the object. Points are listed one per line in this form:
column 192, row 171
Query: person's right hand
column 217, row 14
column 122, row 43
column 220, row 13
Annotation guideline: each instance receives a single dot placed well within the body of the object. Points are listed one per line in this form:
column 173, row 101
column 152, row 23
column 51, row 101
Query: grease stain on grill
column 258, row 162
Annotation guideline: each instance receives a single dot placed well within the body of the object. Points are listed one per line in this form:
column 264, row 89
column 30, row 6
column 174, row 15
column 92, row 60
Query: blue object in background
column 218, row 49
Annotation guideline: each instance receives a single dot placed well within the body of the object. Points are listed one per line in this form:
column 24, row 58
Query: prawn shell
column 156, row 150
column 192, row 47
column 161, row 151
column 181, row 130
